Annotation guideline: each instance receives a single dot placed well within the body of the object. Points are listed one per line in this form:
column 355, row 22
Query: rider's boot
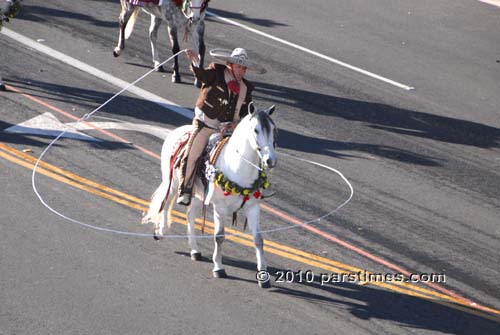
column 184, row 196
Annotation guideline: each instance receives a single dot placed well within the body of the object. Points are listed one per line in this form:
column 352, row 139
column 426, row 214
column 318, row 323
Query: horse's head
column 194, row 9
column 264, row 134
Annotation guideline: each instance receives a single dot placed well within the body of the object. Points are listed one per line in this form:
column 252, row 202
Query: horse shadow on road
column 46, row 14
column 85, row 100
column 367, row 302
column 367, row 120
column 82, row 101
column 361, row 115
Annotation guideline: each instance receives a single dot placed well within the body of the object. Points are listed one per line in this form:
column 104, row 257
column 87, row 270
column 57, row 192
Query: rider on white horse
column 224, row 97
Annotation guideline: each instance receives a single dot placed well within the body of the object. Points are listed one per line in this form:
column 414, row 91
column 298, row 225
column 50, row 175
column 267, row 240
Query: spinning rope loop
column 120, row 232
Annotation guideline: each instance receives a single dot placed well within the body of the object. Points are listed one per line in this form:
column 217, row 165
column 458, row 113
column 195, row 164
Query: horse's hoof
column 160, row 69
column 265, row 284
column 156, row 237
column 176, row 78
column 2, row 87
column 220, row 274
column 196, row 256
column 116, row 53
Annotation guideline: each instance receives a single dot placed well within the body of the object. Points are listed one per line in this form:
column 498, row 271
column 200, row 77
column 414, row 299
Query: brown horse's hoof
column 161, row 69
column 196, row 256
column 176, row 78
column 220, row 274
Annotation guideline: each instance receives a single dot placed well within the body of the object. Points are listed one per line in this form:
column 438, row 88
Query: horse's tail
column 129, row 27
column 157, row 204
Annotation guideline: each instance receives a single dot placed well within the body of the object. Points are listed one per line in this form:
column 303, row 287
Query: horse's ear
column 251, row 108
column 270, row 110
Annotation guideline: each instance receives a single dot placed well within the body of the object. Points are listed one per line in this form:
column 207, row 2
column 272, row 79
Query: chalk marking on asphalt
column 47, row 124
column 492, row 2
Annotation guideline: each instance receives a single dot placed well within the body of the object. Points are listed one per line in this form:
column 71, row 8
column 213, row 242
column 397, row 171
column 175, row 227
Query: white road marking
column 156, row 131
column 47, row 124
column 492, row 2
column 96, row 72
column 311, row 52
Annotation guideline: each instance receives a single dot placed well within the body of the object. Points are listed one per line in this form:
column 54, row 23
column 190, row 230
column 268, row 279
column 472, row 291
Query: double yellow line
column 27, row 161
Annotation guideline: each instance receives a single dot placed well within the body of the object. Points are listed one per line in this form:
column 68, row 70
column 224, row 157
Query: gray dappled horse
column 8, row 9
column 235, row 187
column 182, row 16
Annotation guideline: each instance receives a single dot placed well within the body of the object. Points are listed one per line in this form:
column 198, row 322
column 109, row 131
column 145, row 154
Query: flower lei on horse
column 231, row 188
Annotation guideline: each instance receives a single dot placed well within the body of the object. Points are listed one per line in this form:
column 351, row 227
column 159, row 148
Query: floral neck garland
column 231, row 188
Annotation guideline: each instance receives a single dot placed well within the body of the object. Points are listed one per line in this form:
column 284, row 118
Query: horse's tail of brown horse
column 129, row 27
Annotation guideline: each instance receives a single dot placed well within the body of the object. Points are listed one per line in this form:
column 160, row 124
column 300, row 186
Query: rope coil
column 86, row 116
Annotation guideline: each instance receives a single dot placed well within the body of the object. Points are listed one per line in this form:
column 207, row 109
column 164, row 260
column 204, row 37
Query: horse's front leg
column 218, row 271
column 200, row 32
column 172, row 32
column 253, row 217
column 153, row 39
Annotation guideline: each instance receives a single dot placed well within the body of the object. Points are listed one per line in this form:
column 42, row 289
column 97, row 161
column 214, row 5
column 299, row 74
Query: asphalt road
column 423, row 164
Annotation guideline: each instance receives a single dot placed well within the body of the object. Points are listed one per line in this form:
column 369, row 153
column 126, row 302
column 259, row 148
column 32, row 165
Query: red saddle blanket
column 144, row 2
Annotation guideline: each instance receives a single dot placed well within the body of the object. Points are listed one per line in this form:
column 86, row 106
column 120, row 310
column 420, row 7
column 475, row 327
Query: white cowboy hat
column 237, row 56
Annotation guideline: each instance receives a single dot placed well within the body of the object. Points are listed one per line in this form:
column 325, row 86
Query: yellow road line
column 69, row 178
column 339, row 267
column 328, row 264
column 71, row 182
column 73, row 176
column 304, row 257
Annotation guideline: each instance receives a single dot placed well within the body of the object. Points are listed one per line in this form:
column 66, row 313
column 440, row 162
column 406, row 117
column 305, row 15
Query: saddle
column 145, row 3
column 209, row 155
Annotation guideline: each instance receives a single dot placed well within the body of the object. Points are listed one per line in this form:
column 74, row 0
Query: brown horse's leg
column 172, row 31
column 200, row 32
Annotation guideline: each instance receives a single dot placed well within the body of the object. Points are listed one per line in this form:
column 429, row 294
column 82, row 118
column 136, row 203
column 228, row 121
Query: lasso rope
column 88, row 115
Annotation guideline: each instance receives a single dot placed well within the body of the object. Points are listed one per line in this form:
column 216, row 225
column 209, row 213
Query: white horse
column 250, row 146
column 185, row 16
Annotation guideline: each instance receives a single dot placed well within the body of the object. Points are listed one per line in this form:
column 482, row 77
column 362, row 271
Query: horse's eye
column 256, row 132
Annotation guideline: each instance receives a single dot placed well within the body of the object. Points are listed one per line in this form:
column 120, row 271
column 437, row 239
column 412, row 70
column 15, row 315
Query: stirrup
column 184, row 199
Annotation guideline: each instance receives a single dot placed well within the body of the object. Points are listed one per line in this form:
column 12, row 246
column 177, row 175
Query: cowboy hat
column 237, row 56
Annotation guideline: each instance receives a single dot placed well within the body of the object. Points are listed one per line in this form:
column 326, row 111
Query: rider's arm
column 206, row 76
column 244, row 107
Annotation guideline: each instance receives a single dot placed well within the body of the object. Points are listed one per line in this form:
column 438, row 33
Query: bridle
column 203, row 6
column 256, row 147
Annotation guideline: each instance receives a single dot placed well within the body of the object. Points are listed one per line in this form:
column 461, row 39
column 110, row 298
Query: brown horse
column 185, row 16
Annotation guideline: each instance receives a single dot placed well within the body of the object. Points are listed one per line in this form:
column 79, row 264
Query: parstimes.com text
column 360, row 277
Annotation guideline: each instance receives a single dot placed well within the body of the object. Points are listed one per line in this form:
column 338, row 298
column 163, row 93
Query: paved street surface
column 401, row 97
